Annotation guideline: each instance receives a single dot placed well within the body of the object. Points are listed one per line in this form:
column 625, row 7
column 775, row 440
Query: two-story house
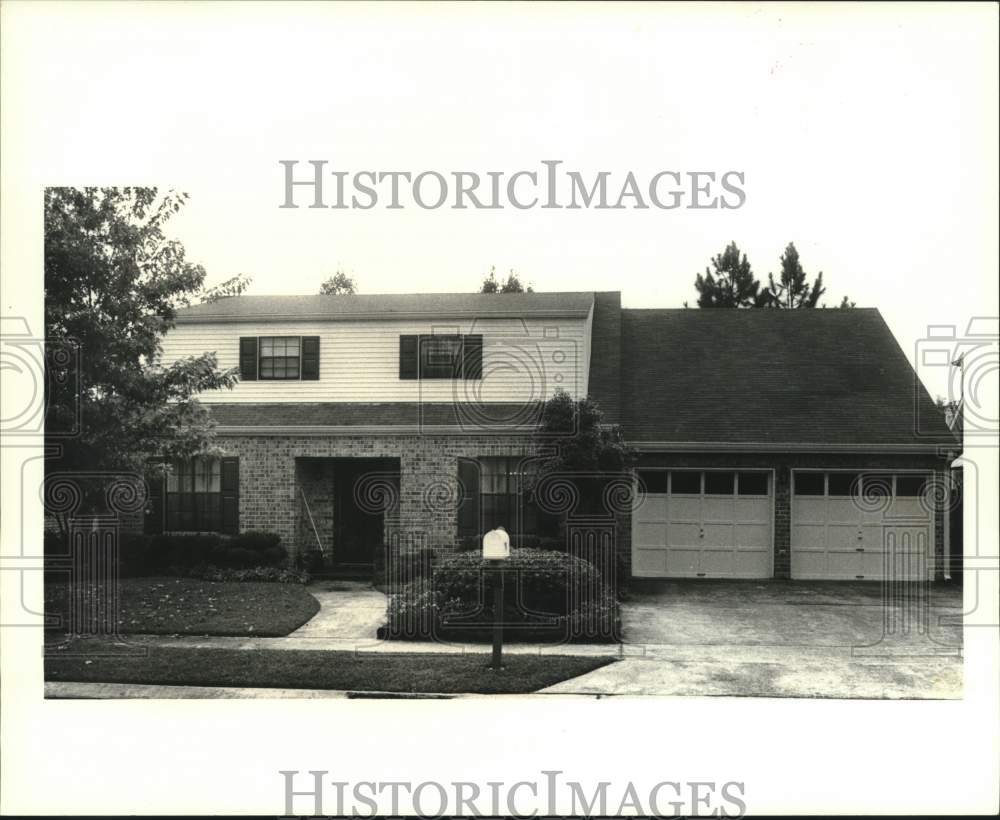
column 772, row 443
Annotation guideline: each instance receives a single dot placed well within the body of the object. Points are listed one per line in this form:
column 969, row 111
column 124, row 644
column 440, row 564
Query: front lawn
column 186, row 606
column 313, row 669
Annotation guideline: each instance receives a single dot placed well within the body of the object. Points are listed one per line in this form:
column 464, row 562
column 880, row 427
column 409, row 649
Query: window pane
column 655, row 481
column 685, row 482
column 439, row 357
column 910, row 485
column 844, row 484
column 719, row 483
column 877, row 485
column 266, row 347
column 753, row 483
column 809, row 483
column 292, row 346
column 215, row 480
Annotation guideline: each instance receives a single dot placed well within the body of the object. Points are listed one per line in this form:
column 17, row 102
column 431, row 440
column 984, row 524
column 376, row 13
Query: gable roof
column 791, row 378
column 388, row 306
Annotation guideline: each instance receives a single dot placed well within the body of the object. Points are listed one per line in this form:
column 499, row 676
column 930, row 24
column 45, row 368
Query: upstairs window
column 452, row 356
column 279, row 358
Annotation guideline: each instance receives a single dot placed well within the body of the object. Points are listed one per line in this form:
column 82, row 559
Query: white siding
column 523, row 360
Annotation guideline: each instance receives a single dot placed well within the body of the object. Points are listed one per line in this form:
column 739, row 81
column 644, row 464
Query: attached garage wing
column 703, row 524
column 853, row 525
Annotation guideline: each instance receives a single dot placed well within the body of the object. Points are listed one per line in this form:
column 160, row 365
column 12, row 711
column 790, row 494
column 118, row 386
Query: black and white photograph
column 454, row 409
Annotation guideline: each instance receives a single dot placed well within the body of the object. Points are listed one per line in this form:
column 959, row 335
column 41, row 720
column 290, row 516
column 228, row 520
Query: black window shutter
column 153, row 522
column 229, row 484
column 468, row 505
column 248, row 358
column 310, row 358
column 472, row 355
column 408, row 357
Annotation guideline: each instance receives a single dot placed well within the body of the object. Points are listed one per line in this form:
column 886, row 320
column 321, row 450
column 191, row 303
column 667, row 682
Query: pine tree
column 733, row 284
column 793, row 290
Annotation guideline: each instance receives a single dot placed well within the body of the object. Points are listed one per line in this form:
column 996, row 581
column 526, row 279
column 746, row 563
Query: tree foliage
column 113, row 283
column 511, row 285
column 579, row 447
column 340, row 284
column 231, row 287
column 732, row 285
column 792, row 289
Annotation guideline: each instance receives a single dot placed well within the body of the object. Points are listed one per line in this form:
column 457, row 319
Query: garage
column 852, row 525
column 703, row 524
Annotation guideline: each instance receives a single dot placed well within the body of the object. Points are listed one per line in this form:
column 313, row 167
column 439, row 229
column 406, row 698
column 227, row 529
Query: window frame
column 203, row 506
column 297, row 357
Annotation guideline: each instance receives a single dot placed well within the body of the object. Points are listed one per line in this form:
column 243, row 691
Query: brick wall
column 427, row 504
column 783, row 464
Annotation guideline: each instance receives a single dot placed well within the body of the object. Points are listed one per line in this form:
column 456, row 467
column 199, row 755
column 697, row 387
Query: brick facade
column 275, row 471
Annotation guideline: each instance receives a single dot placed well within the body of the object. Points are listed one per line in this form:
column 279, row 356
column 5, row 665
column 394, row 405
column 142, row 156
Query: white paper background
column 868, row 136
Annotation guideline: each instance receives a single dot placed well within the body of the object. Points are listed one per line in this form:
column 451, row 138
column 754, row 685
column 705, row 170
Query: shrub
column 408, row 567
column 549, row 596
column 280, row 575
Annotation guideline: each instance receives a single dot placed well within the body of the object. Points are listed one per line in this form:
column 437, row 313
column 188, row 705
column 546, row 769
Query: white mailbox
column 496, row 545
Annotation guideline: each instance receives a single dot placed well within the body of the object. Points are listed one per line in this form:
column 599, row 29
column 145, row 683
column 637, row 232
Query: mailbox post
column 496, row 550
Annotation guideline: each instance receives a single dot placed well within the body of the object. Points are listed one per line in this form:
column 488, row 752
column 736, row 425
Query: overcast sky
column 866, row 135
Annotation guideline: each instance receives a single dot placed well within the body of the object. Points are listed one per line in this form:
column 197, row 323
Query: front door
column 357, row 532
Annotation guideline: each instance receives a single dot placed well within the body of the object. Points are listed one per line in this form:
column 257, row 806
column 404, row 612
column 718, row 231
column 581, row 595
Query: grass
column 187, row 606
column 312, row 669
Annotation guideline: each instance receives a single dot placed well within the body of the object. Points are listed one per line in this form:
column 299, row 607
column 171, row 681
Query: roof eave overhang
column 930, row 448
column 217, row 318
column 372, row 430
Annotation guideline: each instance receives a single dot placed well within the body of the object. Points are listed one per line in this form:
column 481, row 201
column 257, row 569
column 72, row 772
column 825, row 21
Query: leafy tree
column 732, row 285
column 340, row 284
column 231, row 287
column 580, row 450
column 113, row 283
column 511, row 285
column 792, row 290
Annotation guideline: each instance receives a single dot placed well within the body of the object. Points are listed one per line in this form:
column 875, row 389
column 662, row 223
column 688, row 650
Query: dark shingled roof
column 771, row 376
column 389, row 305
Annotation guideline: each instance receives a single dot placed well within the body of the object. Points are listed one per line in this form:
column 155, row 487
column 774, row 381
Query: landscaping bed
column 187, row 606
column 102, row 661
column 550, row 597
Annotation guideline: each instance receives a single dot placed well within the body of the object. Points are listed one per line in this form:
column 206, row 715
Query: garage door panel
column 685, row 508
column 683, row 561
column 717, row 562
column 842, row 510
column 711, row 534
column 810, row 510
column 653, row 508
column 684, row 535
column 718, row 535
column 649, row 561
column 751, row 564
column 753, row 536
column 809, row 537
column 718, row 509
column 757, row 510
column 650, row 535
column 895, row 537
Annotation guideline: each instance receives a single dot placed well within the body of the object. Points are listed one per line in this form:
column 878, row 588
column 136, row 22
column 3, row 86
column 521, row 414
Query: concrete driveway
column 785, row 639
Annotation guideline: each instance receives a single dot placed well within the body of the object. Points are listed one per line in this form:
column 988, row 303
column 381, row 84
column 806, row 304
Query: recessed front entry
column 703, row 524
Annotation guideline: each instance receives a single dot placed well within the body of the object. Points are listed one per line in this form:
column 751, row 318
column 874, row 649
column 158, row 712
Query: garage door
column 860, row 526
column 702, row 524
